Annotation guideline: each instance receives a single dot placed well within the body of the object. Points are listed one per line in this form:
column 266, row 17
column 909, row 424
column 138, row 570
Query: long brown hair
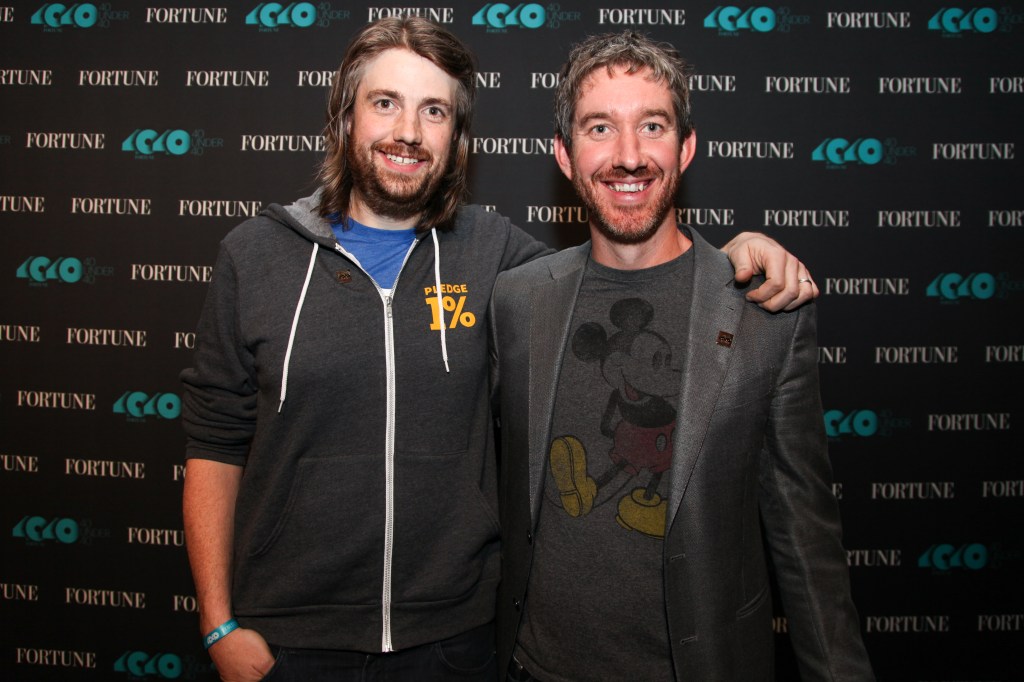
column 445, row 51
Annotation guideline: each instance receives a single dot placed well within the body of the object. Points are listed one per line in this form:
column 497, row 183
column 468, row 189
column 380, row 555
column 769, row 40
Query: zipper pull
column 387, row 300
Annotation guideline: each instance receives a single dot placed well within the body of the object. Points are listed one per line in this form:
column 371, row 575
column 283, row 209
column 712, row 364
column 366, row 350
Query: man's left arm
column 801, row 519
column 788, row 284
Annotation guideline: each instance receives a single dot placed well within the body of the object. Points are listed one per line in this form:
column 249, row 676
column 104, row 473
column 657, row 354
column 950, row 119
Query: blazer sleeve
column 801, row 520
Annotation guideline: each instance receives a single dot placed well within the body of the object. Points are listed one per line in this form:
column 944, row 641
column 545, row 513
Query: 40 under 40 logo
column 43, row 270
column 839, row 152
column 43, row 530
column 39, row 529
column 141, row 664
column 147, row 143
column 732, row 20
column 957, row 21
column 271, row 16
column 858, row 423
column 56, row 16
column 162, row 666
column 498, row 17
column 946, row 557
column 137, row 405
column 952, row 287
column 960, row 21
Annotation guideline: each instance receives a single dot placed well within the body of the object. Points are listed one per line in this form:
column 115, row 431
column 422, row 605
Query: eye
column 384, row 104
column 437, row 112
column 599, row 130
column 653, row 129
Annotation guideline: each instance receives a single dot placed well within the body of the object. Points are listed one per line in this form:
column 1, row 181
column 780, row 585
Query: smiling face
column 400, row 138
column 626, row 156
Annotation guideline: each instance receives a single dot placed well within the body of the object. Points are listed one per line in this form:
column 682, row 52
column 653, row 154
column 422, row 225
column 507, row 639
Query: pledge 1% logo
column 454, row 306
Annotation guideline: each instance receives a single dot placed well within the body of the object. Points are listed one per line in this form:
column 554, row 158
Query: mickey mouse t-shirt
column 594, row 606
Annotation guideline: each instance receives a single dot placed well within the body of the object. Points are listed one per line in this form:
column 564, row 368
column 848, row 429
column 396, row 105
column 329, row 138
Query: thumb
column 744, row 272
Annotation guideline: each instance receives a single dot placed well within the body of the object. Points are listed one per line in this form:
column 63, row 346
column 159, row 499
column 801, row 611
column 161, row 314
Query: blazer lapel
column 715, row 313
column 551, row 306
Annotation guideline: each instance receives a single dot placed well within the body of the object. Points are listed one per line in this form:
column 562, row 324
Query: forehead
column 619, row 92
column 408, row 74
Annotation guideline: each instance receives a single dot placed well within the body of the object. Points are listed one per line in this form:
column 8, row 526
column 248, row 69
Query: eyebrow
column 603, row 116
column 399, row 97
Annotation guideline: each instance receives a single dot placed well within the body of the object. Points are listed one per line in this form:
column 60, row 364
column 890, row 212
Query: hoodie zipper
column 389, row 441
column 389, row 471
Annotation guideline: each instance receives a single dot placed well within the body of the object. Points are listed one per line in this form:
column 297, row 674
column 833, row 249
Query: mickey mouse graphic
column 639, row 419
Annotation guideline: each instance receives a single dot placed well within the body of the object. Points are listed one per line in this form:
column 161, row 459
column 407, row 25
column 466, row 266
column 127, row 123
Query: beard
column 387, row 193
column 632, row 224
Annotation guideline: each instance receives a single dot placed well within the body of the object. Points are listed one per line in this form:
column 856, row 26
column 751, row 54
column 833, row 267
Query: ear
column 563, row 157
column 688, row 151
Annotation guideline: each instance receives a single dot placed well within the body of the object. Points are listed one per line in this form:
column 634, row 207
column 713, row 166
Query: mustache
column 615, row 174
column 399, row 149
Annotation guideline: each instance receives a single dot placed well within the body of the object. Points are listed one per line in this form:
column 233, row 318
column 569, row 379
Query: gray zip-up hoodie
column 367, row 515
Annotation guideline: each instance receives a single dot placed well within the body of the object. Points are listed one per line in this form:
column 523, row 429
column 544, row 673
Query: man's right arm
column 210, row 491
column 801, row 519
column 788, row 284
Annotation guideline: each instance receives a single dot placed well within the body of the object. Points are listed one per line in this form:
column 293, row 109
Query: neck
column 666, row 244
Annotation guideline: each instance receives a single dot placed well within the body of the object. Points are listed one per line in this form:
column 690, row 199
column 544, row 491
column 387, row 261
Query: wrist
column 220, row 632
column 210, row 618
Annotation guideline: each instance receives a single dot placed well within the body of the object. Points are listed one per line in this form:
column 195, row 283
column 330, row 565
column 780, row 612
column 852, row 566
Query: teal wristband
column 219, row 633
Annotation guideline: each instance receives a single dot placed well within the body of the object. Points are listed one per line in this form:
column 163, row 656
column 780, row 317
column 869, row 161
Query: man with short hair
column 658, row 430
column 340, row 495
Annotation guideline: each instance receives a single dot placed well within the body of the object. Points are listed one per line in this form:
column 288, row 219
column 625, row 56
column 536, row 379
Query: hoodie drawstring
column 437, row 290
column 295, row 324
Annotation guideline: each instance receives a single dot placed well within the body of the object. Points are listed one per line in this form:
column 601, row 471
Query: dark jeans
column 469, row 656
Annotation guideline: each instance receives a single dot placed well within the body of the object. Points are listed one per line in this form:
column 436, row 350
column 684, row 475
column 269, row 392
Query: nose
column 627, row 151
column 407, row 129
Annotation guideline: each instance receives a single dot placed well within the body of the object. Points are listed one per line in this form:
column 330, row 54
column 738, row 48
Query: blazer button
column 529, row 538
column 515, row 603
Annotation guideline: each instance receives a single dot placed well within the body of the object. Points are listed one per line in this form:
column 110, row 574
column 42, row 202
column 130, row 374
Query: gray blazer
column 750, row 471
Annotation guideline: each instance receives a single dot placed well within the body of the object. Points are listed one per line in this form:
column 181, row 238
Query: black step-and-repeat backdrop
column 880, row 141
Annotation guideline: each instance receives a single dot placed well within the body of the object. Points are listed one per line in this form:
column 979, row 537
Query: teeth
column 404, row 160
column 633, row 187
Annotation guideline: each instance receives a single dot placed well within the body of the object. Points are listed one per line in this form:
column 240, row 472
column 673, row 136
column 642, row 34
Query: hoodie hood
column 303, row 216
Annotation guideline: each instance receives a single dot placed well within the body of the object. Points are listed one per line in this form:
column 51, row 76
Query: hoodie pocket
column 326, row 544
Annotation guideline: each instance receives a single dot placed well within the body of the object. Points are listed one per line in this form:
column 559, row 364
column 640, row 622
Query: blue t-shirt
column 379, row 252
